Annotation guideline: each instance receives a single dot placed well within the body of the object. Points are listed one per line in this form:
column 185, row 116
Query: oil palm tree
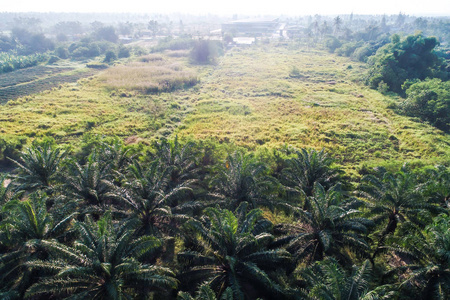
column 330, row 227
column 26, row 227
column 205, row 292
column 231, row 251
column 426, row 275
column 307, row 168
column 39, row 168
column 147, row 198
column 243, row 179
column 90, row 185
column 328, row 280
column 180, row 160
column 437, row 186
column 394, row 199
column 104, row 263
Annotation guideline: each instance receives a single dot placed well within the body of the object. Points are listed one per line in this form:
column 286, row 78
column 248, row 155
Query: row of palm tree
column 177, row 222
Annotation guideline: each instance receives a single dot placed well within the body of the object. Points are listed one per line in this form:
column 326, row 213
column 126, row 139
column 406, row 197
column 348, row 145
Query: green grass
column 249, row 99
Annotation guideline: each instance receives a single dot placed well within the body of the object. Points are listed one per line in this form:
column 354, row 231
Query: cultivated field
column 37, row 79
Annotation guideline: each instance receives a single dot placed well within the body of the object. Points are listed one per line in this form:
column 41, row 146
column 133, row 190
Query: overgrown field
column 265, row 96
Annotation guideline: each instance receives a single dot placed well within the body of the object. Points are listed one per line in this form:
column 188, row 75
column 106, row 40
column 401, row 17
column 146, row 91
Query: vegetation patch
column 150, row 75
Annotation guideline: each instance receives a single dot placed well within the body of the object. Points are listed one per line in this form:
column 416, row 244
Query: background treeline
column 189, row 221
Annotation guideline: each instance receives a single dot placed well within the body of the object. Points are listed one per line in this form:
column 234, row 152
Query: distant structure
column 251, row 27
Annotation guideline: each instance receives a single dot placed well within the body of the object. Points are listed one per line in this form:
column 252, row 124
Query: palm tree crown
column 232, row 251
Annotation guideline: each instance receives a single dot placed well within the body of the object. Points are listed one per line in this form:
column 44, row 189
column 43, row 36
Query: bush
column 53, row 59
column 174, row 44
column 430, row 101
column 96, row 65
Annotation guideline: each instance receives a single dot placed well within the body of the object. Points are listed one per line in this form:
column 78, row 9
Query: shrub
column 430, row 101
column 123, row 52
column 110, row 56
column 205, row 52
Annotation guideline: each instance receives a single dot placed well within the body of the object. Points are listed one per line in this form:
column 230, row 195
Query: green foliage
column 169, row 43
column 110, row 56
column 38, row 167
column 329, row 224
column 234, row 254
column 411, row 58
column 123, row 52
column 430, row 101
column 332, row 44
column 105, row 263
column 12, row 62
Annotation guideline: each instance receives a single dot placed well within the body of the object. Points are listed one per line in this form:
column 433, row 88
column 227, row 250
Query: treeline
column 176, row 221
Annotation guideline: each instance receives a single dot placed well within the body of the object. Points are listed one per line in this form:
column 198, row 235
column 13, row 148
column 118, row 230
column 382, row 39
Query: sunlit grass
column 151, row 74
column 251, row 100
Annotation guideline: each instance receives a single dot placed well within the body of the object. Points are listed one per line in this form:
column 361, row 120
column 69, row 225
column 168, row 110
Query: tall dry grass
column 151, row 75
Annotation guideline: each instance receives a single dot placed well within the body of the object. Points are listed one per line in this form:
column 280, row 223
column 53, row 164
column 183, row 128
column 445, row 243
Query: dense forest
column 161, row 160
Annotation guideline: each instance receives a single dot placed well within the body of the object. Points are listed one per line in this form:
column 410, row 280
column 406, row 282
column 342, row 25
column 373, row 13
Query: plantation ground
column 250, row 98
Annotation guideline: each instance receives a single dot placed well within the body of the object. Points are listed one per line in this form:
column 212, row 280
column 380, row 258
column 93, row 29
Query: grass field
column 36, row 79
column 251, row 98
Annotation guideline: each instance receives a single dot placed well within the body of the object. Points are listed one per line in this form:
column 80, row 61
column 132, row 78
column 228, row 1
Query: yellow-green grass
column 152, row 74
column 249, row 99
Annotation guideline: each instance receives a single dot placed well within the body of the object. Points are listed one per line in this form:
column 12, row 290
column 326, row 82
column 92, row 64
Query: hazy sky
column 228, row 7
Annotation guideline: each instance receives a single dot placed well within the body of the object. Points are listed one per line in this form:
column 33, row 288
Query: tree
column 329, row 227
column 110, row 56
column 104, row 263
column 426, row 275
column 90, row 184
column 307, row 168
column 243, row 179
column 337, row 22
column 205, row 52
column 148, row 200
column 206, row 293
column 26, row 227
column 180, row 161
column 40, row 167
column 232, row 252
column 407, row 59
column 328, row 280
column 437, row 186
column 393, row 200
column 107, row 33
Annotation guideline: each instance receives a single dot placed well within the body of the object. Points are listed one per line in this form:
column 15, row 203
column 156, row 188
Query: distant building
column 251, row 27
